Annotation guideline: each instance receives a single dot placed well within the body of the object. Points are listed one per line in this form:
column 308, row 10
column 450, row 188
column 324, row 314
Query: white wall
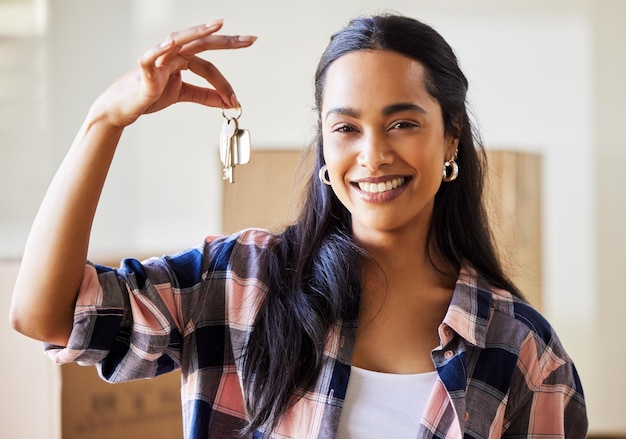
column 607, row 380
column 532, row 82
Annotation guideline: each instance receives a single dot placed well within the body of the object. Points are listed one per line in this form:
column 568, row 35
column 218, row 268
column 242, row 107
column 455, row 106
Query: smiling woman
column 388, row 278
column 375, row 136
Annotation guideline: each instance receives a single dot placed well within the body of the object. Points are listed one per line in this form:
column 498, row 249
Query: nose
column 375, row 152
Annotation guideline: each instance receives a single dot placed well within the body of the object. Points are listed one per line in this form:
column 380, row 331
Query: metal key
column 227, row 144
column 241, row 147
column 234, row 145
column 240, row 152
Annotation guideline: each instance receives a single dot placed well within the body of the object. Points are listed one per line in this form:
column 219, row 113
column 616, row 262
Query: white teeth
column 376, row 188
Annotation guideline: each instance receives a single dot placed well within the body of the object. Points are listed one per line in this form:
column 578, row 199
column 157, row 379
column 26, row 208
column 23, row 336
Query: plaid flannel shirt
column 502, row 371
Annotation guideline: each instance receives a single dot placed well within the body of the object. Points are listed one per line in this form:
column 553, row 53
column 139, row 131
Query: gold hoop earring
column 323, row 175
column 454, row 172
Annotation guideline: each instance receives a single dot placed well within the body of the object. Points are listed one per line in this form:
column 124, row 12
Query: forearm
column 54, row 258
column 56, row 250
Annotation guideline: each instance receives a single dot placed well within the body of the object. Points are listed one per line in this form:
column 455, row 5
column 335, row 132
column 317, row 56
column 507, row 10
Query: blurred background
column 546, row 77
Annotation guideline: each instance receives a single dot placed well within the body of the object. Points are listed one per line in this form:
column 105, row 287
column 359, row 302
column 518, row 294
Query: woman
column 381, row 312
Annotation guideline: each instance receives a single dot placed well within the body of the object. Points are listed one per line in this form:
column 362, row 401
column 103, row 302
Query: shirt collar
column 470, row 309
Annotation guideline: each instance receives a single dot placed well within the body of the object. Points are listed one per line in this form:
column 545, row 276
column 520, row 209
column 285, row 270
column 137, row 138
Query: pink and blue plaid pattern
column 502, row 370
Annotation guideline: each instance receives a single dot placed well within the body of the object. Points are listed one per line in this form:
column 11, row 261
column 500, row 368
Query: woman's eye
column 344, row 129
column 404, row 124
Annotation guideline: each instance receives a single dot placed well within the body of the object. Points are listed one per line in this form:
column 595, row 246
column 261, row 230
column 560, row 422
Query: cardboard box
column 513, row 195
column 95, row 409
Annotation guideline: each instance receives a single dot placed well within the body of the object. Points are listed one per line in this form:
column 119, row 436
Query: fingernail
column 246, row 39
column 233, row 101
column 215, row 23
column 166, row 44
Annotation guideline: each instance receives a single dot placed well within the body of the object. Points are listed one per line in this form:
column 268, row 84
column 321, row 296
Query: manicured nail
column 246, row 39
column 234, row 103
column 216, row 23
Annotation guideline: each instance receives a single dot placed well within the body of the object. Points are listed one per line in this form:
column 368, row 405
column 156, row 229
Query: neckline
column 372, row 374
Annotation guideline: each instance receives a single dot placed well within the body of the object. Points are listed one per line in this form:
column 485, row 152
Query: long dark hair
column 315, row 266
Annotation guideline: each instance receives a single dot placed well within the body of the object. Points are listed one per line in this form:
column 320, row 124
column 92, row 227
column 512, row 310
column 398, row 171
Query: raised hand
column 156, row 82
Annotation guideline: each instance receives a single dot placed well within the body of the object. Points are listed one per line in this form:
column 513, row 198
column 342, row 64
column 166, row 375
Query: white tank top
column 380, row 405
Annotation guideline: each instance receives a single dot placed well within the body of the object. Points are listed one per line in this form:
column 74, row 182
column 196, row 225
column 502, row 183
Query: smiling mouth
column 377, row 188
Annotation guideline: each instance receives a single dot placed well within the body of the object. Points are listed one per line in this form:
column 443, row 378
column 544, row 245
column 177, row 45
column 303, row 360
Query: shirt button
column 448, row 332
column 466, row 416
column 448, row 354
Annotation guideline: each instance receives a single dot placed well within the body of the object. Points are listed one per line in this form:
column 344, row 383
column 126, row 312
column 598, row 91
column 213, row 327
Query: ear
column 452, row 144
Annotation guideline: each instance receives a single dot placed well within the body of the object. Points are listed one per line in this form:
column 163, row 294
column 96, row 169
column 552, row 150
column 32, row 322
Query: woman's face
column 384, row 143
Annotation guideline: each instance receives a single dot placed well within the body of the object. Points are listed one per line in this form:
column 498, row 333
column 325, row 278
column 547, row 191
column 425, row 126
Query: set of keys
column 234, row 145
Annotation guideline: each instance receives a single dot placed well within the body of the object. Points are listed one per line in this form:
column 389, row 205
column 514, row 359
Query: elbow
column 14, row 322
column 36, row 327
column 22, row 323
column 24, row 327
column 17, row 321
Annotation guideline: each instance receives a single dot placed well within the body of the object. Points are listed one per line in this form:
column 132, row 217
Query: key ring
column 234, row 144
column 239, row 111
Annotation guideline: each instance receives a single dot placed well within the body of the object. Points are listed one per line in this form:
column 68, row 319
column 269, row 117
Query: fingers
column 192, row 41
column 159, row 55
column 201, row 95
column 209, row 72
column 178, row 53
column 216, row 42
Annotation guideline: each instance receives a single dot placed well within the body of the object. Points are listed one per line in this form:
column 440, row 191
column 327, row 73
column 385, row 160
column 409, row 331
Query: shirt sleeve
column 551, row 397
column 129, row 321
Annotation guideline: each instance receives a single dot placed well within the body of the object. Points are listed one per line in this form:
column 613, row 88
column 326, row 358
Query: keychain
column 234, row 145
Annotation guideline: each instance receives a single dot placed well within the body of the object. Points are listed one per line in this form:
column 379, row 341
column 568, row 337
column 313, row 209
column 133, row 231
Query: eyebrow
column 388, row 110
column 397, row 108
